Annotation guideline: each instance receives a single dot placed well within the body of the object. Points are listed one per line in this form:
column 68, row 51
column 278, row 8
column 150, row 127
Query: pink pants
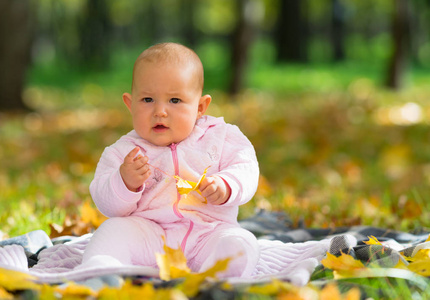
column 134, row 240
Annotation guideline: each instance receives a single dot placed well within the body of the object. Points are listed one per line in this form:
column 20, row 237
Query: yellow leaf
column 422, row 254
column 172, row 264
column 330, row 292
column 421, row 267
column 372, row 241
column 13, row 280
column 344, row 265
column 128, row 291
column 428, row 239
column 4, row 294
column 47, row 292
column 185, row 186
column 191, row 285
column 74, row 289
column 353, row 294
column 274, row 287
column 91, row 215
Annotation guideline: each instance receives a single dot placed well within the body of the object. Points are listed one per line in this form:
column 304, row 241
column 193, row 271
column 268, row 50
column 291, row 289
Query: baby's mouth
column 160, row 127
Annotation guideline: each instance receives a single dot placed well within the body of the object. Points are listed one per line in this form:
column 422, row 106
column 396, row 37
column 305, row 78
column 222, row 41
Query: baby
column 134, row 184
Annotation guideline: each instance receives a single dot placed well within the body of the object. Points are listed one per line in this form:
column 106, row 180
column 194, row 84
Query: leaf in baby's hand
column 172, row 264
column 185, row 186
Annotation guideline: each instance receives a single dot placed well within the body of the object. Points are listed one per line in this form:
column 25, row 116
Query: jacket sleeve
column 239, row 167
column 108, row 190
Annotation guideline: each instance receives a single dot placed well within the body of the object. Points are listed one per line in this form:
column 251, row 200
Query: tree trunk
column 188, row 28
column 241, row 42
column 338, row 30
column 95, row 35
column 292, row 31
column 15, row 49
column 401, row 44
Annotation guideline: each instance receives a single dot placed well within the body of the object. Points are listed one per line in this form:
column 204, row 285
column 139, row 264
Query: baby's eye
column 147, row 100
column 175, row 100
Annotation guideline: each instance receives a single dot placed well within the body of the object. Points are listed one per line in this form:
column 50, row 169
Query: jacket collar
column 202, row 125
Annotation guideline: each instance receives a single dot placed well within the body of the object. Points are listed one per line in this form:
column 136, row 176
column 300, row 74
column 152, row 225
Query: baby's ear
column 126, row 97
column 203, row 104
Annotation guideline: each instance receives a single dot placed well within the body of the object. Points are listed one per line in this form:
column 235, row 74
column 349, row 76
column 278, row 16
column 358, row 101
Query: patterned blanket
column 287, row 254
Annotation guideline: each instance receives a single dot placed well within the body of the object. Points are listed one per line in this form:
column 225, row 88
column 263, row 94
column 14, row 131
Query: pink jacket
column 212, row 143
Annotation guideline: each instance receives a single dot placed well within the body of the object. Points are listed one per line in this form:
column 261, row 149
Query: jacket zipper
column 178, row 197
column 176, row 165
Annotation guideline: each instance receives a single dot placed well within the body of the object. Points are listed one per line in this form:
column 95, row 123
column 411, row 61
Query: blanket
column 285, row 253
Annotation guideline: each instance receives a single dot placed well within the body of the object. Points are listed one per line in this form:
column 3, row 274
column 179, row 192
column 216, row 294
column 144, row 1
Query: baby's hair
column 172, row 53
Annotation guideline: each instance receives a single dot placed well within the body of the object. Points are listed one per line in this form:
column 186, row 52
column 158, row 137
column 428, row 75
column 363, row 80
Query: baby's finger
column 213, row 198
column 129, row 158
column 205, row 183
column 209, row 190
column 143, row 169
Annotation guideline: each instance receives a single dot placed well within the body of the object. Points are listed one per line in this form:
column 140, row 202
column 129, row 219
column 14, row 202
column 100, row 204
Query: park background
column 334, row 95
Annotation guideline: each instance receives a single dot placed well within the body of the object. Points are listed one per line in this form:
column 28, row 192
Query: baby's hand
column 134, row 170
column 215, row 190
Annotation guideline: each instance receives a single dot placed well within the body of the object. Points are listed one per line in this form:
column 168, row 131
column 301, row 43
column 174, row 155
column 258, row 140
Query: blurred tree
column 95, row 35
column 401, row 37
column 338, row 22
column 16, row 37
column 242, row 38
column 291, row 35
column 188, row 29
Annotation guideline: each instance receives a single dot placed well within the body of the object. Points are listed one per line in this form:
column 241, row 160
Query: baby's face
column 164, row 103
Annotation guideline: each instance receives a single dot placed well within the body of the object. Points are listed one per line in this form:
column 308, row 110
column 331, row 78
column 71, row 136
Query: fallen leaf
column 172, row 264
column 128, row 291
column 13, row 280
column 88, row 220
column 330, row 292
column 273, row 288
column 421, row 267
column 343, row 266
column 91, row 215
column 191, row 285
column 71, row 226
column 4, row 294
column 74, row 290
column 372, row 241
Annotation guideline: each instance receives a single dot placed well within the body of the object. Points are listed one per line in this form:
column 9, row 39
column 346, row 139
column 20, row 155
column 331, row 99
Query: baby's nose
column 160, row 111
